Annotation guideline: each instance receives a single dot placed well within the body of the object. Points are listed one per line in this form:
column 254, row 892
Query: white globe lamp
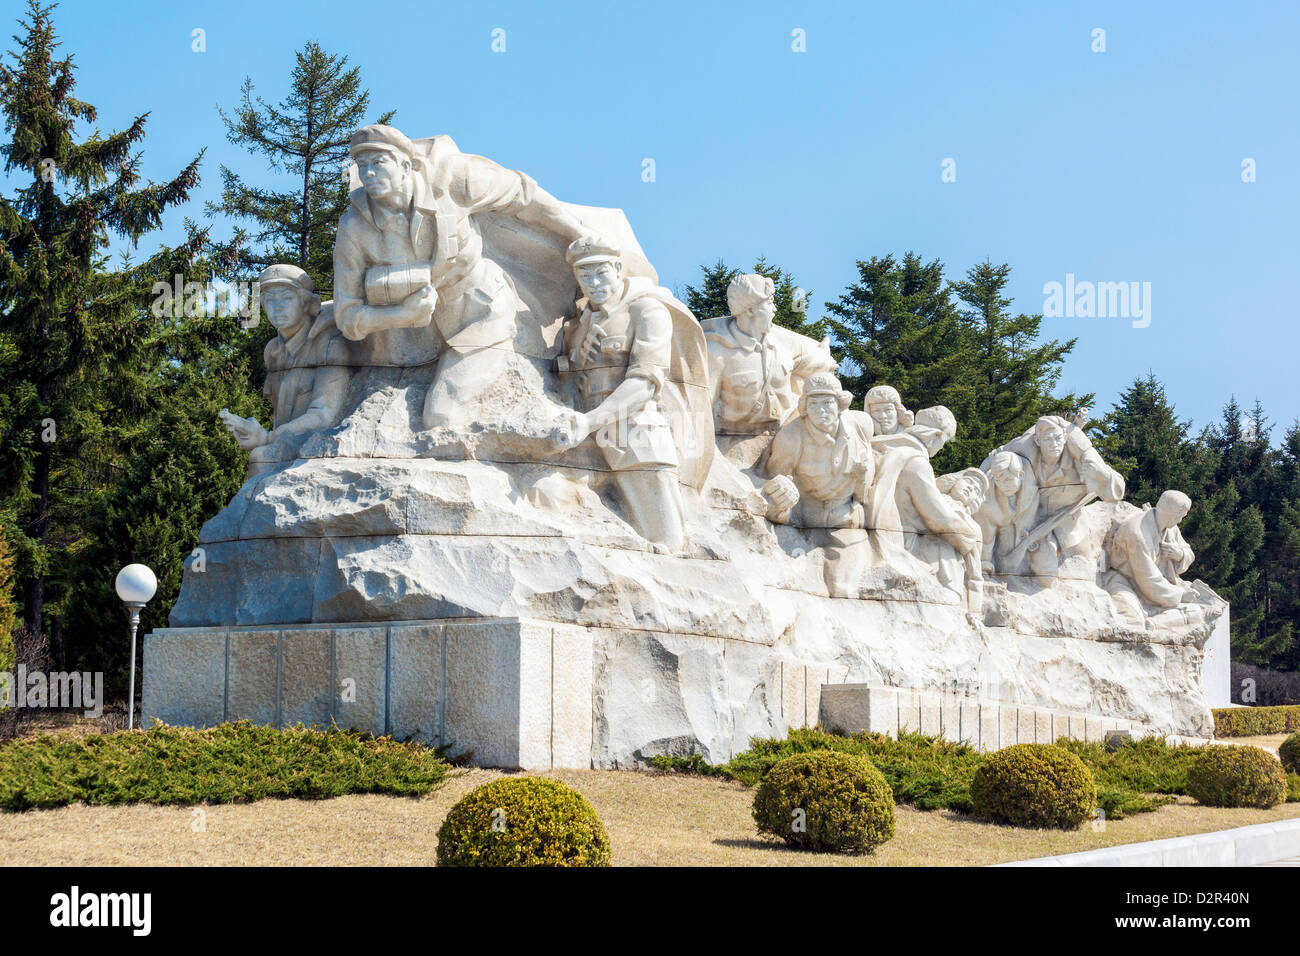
column 136, row 586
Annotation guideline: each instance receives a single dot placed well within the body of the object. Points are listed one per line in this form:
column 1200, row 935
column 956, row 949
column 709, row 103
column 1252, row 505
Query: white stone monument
column 506, row 529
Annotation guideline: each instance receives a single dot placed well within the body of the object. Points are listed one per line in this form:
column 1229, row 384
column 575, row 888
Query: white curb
column 1243, row 846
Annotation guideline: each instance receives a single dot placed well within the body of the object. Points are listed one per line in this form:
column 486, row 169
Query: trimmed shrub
column 523, row 821
column 826, row 801
column 1034, row 785
column 233, row 762
column 1256, row 721
column 1289, row 753
column 1237, row 777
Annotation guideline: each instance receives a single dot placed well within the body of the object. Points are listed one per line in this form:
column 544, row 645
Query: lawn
column 654, row 819
column 172, row 803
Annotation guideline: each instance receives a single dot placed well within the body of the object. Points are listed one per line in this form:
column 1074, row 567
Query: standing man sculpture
column 409, row 272
column 757, row 370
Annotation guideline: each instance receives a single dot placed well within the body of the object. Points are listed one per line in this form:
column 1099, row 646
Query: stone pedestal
column 512, row 693
column 983, row 723
column 1216, row 671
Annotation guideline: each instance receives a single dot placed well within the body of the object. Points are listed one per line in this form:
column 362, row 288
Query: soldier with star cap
column 308, row 369
column 619, row 349
column 410, row 277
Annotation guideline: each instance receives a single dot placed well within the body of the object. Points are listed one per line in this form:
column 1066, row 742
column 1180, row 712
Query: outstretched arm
column 480, row 185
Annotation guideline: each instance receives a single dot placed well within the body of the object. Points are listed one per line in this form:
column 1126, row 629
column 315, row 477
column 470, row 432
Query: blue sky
column 1117, row 166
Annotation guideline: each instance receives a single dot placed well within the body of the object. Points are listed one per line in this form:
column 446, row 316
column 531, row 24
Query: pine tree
column 70, row 327
column 1241, row 466
column 1285, row 596
column 897, row 325
column 1013, row 373
column 306, row 136
column 180, row 473
column 708, row 300
column 1143, row 439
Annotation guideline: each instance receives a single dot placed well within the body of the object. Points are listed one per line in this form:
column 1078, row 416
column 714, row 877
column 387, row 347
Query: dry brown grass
column 653, row 820
column 1269, row 742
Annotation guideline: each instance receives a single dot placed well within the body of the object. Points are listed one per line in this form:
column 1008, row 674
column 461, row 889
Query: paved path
column 1263, row 844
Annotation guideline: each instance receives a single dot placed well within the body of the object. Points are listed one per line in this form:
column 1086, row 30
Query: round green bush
column 1034, row 785
column 1289, row 753
column 1236, row 776
column 523, row 821
column 826, row 800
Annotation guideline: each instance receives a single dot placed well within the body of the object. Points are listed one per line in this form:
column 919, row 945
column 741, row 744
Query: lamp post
column 135, row 585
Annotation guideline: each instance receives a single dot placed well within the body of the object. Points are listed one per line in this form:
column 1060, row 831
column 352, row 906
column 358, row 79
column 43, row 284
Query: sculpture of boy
column 967, row 488
column 1009, row 511
column 307, row 370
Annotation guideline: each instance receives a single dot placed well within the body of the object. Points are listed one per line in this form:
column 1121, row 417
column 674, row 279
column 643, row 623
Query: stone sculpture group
column 501, row 416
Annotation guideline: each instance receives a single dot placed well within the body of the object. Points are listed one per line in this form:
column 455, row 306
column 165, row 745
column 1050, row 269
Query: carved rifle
column 1044, row 528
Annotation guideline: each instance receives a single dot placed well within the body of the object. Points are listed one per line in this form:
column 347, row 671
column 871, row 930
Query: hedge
column 235, row 762
column 1256, row 721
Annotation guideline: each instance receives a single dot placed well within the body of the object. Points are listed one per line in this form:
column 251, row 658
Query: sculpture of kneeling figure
column 1150, row 552
column 307, row 370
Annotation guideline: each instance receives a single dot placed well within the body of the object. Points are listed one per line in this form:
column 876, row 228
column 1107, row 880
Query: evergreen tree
column 1013, row 374
column 180, row 473
column 708, row 300
column 1285, row 595
column 306, row 136
column 70, row 327
column 1143, row 439
column 1239, row 466
column 897, row 325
